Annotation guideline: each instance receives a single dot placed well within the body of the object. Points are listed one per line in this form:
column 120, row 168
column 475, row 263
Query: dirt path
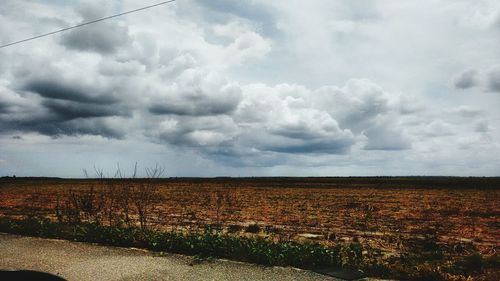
column 82, row 261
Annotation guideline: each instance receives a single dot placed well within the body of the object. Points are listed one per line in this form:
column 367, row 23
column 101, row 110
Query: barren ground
column 382, row 212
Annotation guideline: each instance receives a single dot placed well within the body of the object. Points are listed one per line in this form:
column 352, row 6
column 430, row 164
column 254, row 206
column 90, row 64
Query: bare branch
column 99, row 172
column 118, row 173
column 135, row 171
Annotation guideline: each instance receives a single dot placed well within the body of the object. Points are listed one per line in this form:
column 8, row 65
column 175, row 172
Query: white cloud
column 466, row 111
column 331, row 85
column 386, row 137
column 439, row 128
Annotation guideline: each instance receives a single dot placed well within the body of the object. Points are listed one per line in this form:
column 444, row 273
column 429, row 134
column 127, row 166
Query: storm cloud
column 254, row 87
column 58, row 90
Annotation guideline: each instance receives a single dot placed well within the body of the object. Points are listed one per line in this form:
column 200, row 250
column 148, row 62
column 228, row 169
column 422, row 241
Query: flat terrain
column 82, row 261
column 387, row 213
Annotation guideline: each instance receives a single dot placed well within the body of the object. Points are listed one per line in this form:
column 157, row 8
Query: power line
column 85, row 23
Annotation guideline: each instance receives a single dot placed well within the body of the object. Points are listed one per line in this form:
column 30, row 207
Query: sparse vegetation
column 385, row 232
column 110, row 202
column 261, row 251
column 206, row 244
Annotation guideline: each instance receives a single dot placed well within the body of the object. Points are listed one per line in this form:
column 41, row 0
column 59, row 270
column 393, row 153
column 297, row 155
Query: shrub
column 253, row 228
column 234, row 228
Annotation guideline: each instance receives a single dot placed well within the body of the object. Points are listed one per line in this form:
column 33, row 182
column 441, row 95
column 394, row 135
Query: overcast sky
column 252, row 88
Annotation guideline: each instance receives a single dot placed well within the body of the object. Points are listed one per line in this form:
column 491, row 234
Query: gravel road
column 83, row 261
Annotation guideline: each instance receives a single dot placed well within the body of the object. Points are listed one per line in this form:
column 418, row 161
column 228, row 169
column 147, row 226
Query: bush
column 234, row 228
column 253, row 228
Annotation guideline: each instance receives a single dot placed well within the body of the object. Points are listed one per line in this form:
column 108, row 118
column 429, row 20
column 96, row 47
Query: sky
column 252, row 88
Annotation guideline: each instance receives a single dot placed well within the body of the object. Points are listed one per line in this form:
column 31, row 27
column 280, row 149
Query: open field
column 387, row 213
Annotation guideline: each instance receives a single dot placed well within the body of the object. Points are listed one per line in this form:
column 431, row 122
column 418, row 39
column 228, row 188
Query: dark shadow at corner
column 6, row 275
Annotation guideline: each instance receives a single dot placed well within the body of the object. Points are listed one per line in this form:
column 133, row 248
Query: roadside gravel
column 83, row 261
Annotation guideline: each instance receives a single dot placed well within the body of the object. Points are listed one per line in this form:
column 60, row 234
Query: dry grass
column 384, row 216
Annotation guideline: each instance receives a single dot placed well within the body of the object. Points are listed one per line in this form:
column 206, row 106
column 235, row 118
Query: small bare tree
column 146, row 196
column 125, row 198
column 90, row 202
column 85, row 205
column 112, row 202
column 109, row 190
column 222, row 201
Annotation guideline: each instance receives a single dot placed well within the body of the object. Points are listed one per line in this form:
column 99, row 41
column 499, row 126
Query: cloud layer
column 256, row 87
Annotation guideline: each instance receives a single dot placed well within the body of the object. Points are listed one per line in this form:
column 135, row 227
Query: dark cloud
column 68, row 110
column 466, row 79
column 61, row 111
column 4, row 107
column 78, row 127
column 493, row 79
column 192, row 78
column 51, row 125
column 308, row 131
column 59, row 90
column 307, row 141
column 196, row 108
column 312, row 146
column 102, row 37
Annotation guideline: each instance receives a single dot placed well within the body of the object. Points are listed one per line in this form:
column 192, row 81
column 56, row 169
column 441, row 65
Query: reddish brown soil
column 383, row 212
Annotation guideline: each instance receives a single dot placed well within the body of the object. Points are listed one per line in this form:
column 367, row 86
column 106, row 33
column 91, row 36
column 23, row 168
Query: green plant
column 208, row 244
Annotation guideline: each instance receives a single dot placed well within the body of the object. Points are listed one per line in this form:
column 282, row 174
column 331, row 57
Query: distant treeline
column 297, row 182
